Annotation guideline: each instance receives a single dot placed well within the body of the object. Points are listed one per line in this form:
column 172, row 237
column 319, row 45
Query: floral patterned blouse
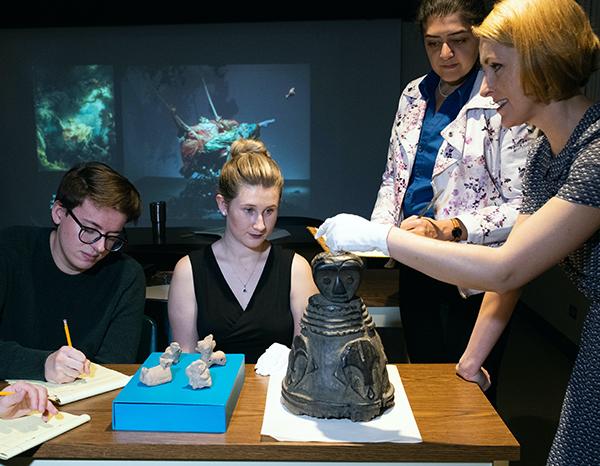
column 477, row 173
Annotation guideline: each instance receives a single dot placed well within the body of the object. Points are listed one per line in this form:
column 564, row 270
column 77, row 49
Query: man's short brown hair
column 103, row 186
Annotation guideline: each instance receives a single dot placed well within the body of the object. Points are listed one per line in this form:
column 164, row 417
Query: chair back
column 147, row 339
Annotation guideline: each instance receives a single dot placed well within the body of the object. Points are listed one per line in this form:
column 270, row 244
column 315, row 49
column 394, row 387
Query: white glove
column 347, row 232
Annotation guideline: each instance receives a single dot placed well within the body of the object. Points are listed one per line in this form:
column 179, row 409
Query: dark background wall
column 356, row 67
column 360, row 61
column 355, row 81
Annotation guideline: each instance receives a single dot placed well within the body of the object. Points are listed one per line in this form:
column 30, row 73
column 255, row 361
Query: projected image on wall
column 74, row 114
column 180, row 121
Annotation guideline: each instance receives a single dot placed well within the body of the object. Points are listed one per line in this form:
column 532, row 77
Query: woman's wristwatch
column 457, row 230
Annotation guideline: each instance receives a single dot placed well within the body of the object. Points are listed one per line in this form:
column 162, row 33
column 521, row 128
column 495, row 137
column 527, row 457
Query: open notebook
column 100, row 380
column 19, row 435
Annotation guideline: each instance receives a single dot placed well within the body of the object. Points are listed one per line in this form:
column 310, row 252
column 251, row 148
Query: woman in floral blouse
column 537, row 56
column 452, row 173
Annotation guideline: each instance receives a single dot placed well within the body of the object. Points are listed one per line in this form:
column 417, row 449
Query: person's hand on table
column 347, row 232
column 480, row 376
column 27, row 398
column 65, row 365
column 431, row 228
column 423, row 226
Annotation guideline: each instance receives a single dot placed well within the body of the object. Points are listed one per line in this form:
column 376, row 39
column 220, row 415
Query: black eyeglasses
column 90, row 235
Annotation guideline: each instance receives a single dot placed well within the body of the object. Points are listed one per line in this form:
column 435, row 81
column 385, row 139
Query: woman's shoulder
column 23, row 235
column 411, row 90
column 583, row 148
column 300, row 265
column 198, row 255
column 193, row 262
column 282, row 255
column 288, row 259
column 589, row 138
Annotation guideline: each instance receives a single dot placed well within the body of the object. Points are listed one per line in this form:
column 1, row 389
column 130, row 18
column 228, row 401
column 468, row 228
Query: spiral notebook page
column 19, row 435
column 100, row 380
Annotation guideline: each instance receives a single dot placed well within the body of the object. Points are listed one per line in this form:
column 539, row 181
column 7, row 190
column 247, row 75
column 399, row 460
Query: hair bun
column 248, row 146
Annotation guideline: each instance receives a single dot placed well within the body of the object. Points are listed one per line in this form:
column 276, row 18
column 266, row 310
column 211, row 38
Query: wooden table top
column 456, row 421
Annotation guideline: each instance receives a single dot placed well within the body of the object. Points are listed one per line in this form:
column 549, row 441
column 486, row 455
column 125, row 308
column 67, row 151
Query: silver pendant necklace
column 245, row 283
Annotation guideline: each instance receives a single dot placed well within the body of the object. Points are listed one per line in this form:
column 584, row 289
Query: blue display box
column 176, row 406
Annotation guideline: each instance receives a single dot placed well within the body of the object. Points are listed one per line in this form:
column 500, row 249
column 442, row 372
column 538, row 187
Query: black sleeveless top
column 268, row 316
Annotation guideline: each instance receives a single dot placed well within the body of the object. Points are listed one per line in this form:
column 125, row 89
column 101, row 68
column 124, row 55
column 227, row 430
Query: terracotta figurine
column 206, row 349
column 198, row 374
column 156, row 375
column 171, row 355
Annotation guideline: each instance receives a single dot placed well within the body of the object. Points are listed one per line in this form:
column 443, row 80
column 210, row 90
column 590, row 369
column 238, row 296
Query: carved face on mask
column 337, row 276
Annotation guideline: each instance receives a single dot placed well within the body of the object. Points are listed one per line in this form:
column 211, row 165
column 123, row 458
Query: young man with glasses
column 72, row 272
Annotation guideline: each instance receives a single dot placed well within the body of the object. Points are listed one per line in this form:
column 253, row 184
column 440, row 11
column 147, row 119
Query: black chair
column 147, row 339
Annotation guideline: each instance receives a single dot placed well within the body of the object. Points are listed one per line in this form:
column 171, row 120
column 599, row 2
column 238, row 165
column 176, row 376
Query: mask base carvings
column 337, row 365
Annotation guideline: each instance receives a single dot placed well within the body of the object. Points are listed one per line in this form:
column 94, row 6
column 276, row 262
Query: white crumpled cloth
column 274, row 360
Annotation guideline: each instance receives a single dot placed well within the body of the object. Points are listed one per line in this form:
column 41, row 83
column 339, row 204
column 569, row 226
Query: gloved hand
column 347, row 232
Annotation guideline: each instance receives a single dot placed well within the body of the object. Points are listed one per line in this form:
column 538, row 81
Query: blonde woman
column 245, row 291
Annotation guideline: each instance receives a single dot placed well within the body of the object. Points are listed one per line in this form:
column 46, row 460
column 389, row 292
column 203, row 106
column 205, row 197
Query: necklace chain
column 245, row 283
column 439, row 86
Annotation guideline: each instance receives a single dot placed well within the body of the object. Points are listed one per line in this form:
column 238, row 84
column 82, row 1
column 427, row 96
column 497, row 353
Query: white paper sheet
column 19, row 435
column 102, row 380
column 397, row 424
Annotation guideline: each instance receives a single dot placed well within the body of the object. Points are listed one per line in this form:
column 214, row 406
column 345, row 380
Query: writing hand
column 27, row 397
column 65, row 365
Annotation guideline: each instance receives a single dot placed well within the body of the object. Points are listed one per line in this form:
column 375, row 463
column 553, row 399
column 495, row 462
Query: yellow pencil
column 68, row 335
column 7, row 393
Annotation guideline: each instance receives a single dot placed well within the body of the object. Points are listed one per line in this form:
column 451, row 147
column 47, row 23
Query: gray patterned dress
column 574, row 176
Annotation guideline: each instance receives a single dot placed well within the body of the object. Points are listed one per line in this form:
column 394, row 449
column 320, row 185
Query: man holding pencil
column 72, row 273
column 21, row 398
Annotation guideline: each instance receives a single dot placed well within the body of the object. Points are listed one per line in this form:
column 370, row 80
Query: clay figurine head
column 198, row 374
column 337, row 275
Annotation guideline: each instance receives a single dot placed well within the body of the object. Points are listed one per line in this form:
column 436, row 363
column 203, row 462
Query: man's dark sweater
column 104, row 305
